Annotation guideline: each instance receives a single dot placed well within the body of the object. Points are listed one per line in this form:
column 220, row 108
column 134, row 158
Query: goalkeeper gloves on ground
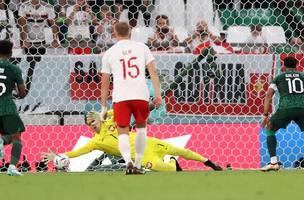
column 61, row 161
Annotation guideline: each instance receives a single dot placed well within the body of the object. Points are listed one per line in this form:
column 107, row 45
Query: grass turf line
column 226, row 185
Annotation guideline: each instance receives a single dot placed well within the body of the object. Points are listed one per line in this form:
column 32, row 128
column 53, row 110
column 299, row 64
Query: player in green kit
column 290, row 85
column 11, row 124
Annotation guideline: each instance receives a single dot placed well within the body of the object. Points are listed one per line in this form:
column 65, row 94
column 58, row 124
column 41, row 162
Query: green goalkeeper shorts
column 282, row 117
column 11, row 124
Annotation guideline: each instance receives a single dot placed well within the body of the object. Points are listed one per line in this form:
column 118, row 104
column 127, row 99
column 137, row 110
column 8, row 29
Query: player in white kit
column 127, row 61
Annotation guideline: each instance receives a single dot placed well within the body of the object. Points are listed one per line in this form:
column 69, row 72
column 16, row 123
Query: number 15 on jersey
column 130, row 69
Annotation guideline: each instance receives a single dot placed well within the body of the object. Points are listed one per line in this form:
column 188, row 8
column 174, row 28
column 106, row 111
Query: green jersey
column 10, row 76
column 291, row 88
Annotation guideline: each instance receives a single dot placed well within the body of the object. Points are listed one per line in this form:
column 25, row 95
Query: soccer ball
column 61, row 162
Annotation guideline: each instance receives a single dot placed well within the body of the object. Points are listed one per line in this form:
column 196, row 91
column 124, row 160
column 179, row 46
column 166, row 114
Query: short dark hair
column 104, row 8
column 290, row 62
column 165, row 17
column 6, row 47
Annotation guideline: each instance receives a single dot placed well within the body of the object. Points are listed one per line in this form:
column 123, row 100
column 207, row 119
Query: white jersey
column 36, row 20
column 7, row 22
column 80, row 24
column 127, row 61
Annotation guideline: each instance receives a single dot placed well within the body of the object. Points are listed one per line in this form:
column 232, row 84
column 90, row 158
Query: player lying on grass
column 106, row 140
column 290, row 85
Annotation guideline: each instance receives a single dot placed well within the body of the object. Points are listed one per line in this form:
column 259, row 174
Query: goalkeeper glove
column 48, row 156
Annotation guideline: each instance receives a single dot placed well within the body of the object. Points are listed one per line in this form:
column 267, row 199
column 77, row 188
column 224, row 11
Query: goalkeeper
column 106, row 140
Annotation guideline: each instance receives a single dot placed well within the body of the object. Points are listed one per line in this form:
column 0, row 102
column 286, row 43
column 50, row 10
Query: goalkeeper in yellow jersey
column 106, row 140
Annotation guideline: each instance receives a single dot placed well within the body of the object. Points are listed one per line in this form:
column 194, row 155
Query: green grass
column 226, row 185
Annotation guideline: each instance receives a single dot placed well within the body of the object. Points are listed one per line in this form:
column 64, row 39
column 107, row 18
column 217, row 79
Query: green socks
column 271, row 145
column 16, row 152
column 5, row 140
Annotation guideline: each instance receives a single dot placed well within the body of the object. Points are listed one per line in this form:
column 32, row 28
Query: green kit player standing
column 290, row 85
column 11, row 124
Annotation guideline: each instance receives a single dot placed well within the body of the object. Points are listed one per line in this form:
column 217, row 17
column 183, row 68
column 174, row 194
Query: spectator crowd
column 86, row 26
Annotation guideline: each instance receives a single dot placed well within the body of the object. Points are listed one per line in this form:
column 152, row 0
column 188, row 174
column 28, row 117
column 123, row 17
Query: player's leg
column 13, row 126
column 140, row 110
column 15, row 154
column 279, row 120
column 2, row 142
column 122, row 117
column 156, row 163
column 190, row 155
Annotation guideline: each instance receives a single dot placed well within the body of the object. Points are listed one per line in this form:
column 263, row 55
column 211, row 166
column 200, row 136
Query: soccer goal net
column 215, row 60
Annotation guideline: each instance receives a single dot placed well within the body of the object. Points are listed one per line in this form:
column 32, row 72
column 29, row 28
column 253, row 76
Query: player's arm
column 54, row 32
column 150, row 65
column 267, row 103
column 90, row 146
column 105, row 84
column 50, row 156
column 22, row 24
column 21, row 91
column 155, row 82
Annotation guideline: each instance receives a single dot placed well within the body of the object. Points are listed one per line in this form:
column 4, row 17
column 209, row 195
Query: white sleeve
column 69, row 11
column 148, row 55
column 11, row 19
column 106, row 68
column 21, row 11
column 273, row 86
column 51, row 13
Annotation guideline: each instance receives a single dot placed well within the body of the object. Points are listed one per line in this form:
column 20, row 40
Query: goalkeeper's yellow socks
column 16, row 152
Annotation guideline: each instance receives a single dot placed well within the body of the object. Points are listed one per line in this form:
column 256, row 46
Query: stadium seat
column 174, row 9
column 141, row 34
column 181, row 33
column 247, row 17
column 274, row 34
column 298, row 13
column 227, row 17
column 194, row 16
column 238, row 34
column 124, row 18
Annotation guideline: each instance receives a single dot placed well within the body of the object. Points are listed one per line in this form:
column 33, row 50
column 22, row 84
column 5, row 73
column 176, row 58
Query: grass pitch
column 226, row 185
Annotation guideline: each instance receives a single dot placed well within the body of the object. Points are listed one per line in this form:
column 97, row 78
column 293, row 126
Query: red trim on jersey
column 207, row 44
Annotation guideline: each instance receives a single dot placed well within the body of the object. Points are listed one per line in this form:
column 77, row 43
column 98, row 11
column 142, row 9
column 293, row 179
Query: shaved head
column 122, row 29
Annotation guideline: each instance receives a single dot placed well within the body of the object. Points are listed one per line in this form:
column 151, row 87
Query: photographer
column 35, row 15
column 79, row 21
column 199, row 36
column 164, row 37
